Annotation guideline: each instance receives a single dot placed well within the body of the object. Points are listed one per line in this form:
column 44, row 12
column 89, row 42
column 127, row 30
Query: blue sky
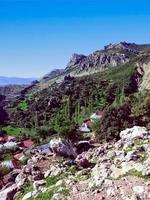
column 37, row 36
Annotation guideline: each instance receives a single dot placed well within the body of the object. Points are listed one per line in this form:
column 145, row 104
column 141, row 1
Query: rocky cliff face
column 111, row 56
column 145, row 83
column 97, row 61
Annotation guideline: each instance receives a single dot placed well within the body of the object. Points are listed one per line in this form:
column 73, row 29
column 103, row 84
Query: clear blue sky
column 37, row 36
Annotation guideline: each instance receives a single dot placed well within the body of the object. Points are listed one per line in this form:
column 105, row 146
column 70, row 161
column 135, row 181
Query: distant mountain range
column 15, row 81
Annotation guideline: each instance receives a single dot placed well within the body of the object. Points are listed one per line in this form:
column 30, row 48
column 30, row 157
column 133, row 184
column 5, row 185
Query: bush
column 45, row 131
column 113, row 122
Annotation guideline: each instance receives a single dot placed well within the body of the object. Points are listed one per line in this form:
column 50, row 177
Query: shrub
column 114, row 121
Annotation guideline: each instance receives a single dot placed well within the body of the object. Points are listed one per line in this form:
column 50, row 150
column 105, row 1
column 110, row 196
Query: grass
column 50, row 183
column 114, row 73
column 143, row 157
column 23, row 106
column 6, row 156
column 26, row 189
column 48, row 195
column 14, row 131
column 134, row 172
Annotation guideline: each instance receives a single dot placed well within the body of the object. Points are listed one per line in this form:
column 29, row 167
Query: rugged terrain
column 119, row 170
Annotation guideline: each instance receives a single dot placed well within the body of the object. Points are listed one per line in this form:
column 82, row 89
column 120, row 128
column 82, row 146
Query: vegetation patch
column 23, row 105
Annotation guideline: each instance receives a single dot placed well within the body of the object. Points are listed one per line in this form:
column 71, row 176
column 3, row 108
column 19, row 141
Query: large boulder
column 63, row 148
column 8, row 193
column 133, row 133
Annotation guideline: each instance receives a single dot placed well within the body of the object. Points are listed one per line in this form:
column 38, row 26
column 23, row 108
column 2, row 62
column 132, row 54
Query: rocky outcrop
column 76, row 59
column 112, row 55
column 62, row 147
column 96, row 61
column 131, row 47
column 145, row 82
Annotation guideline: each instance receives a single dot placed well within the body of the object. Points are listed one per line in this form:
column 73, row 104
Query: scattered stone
column 83, row 162
column 29, row 195
column 37, row 184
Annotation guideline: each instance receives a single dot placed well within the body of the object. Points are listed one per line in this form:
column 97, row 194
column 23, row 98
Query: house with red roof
column 26, row 143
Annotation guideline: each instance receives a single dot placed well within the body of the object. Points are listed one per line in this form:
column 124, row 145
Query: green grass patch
column 15, row 131
column 6, row 156
column 134, row 172
column 23, row 106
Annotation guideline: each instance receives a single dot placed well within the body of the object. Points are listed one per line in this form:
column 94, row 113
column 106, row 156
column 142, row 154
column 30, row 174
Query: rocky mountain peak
column 123, row 46
column 76, row 59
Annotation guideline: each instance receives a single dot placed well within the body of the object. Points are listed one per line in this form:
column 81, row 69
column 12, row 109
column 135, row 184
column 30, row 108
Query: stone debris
column 110, row 171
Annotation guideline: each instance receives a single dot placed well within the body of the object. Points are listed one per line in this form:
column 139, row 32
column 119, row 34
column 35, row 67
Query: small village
column 15, row 153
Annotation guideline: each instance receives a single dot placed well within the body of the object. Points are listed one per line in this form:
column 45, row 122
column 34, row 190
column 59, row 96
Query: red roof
column 27, row 143
column 18, row 156
column 88, row 122
column 2, row 139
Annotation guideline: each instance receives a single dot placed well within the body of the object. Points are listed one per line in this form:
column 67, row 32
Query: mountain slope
column 65, row 101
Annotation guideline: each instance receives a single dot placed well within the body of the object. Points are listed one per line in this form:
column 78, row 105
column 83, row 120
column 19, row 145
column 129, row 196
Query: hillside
column 65, row 99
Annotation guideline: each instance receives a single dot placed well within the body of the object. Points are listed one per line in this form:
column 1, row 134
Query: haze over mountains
column 15, row 81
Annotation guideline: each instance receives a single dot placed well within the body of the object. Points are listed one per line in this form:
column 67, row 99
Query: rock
column 47, row 173
column 37, row 184
column 138, row 191
column 12, row 176
column 132, row 155
column 146, row 167
column 20, row 179
column 111, row 154
column 8, row 193
column 58, row 196
column 132, row 133
column 56, row 170
column 7, row 185
column 29, row 195
column 62, row 147
column 69, row 163
column 75, row 59
column 111, row 191
column 100, row 151
column 83, row 172
column 83, row 162
column 100, row 172
column 70, row 180
column 36, row 173
column 60, row 182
